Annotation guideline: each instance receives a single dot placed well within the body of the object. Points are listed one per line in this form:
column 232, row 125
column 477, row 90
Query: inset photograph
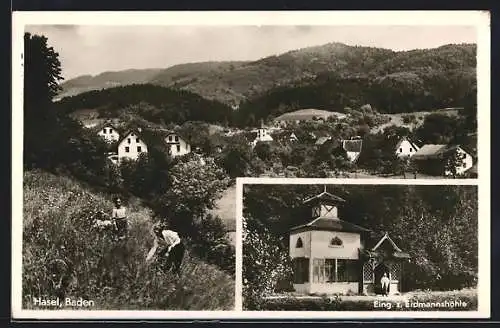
column 360, row 247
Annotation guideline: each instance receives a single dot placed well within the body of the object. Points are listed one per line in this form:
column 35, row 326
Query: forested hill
column 233, row 82
column 409, row 81
column 154, row 103
column 104, row 80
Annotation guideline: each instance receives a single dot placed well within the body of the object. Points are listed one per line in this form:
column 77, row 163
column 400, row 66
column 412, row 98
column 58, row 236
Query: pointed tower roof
column 327, row 223
column 324, row 198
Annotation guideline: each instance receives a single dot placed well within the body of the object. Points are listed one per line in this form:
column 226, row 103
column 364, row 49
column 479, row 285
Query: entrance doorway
column 379, row 273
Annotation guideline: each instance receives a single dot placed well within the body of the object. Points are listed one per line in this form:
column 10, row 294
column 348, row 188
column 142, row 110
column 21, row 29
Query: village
column 419, row 159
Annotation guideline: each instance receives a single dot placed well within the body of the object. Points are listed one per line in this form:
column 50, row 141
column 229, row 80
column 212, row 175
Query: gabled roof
column 433, row 151
column 384, row 238
column 352, row 145
column 125, row 135
column 401, row 140
column 329, row 224
column 374, row 251
column 325, row 197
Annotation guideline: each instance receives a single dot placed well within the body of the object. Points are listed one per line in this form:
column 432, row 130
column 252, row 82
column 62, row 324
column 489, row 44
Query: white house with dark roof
column 406, row 148
column 262, row 134
column 178, row 145
column 109, row 133
column 433, row 158
column 131, row 146
column 330, row 255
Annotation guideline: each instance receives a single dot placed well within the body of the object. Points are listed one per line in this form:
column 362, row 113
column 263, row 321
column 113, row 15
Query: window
column 128, row 140
column 110, row 130
column 127, row 149
column 137, row 140
column 400, row 150
column 330, row 268
column 169, row 138
column 411, row 150
column 139, row 149
column 368, row 275
column 336, row 242
column 178, row 148
column 465, row 164
column 395, row 271
column 300, row 270
column 176, row 138
column 104, row 130
column 299, row 243
column 335, row 270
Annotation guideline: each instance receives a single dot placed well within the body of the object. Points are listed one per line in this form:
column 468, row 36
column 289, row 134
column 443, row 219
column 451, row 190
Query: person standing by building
column 119, row 215
column 385, row 284
column 171, row 248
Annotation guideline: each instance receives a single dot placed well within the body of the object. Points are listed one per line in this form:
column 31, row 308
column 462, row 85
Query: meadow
column 59, row 244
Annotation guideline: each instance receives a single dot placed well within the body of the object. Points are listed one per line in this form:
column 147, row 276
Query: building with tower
column 333, row 256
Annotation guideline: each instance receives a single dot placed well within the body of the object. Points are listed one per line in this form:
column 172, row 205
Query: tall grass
column 57, row 229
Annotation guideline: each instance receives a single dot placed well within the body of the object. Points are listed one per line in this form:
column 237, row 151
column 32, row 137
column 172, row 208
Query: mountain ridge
column 232, row 82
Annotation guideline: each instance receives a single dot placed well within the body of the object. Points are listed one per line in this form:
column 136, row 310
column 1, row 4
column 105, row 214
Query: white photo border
column 478, row 19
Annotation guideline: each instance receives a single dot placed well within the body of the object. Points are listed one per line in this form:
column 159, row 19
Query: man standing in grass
column 119, row 215
column 171, row 248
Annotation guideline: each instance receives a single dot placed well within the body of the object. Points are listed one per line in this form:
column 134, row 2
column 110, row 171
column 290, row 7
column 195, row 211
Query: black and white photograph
column 337, row 247
column 132, row 130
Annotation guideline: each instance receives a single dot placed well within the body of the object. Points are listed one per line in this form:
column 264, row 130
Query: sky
column 91, row 49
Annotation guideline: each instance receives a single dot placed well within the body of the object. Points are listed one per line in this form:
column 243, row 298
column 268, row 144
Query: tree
column 187, row 200
column 42, row 72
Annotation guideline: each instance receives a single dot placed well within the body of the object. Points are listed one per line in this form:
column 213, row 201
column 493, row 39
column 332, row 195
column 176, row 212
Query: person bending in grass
column 169, row 247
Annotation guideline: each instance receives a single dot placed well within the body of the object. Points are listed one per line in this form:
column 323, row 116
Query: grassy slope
column 226, row 208
column 113, row 275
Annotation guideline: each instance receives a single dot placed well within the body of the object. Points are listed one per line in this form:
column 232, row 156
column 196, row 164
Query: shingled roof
column 434, row 151
column 329, row 224
column 352, row 145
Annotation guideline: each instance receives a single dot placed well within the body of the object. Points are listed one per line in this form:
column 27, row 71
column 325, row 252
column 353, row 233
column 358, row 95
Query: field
column 461, row 300
column 414, row 119
column 307, row 115
column 56, row 228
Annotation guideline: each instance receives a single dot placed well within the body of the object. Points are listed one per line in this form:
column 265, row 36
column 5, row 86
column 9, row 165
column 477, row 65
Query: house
column 109, row 133
column 262, row 135
column 352, row 148
column 178, row 145
column 293, row 138
column 405, row 148
column 330, row 255
column 131, row 146
column 435, row 159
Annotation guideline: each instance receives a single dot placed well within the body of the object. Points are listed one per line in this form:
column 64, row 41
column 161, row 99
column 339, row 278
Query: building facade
column 109, row 133
column 333, row 256
column 178, row 146
column 131, row 146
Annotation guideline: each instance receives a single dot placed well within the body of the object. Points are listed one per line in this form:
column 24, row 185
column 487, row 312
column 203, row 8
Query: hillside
column 56, row 221
column 152, row 102
column 105, row 80
column 233, row 82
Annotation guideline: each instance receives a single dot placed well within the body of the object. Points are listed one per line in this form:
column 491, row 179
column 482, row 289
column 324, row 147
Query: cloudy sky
column 87, row 49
